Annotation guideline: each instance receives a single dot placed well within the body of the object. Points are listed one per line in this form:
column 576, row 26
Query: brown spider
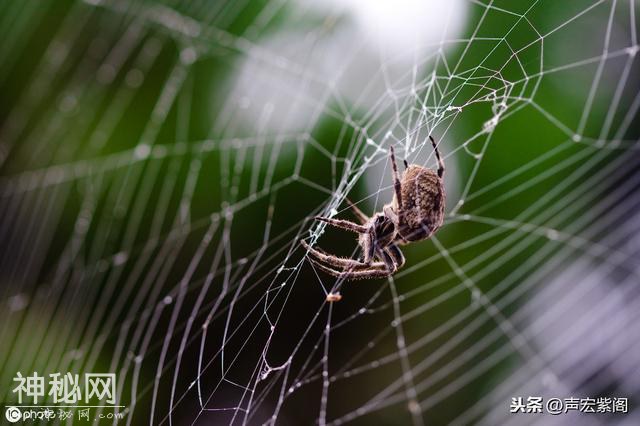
column 414, row 214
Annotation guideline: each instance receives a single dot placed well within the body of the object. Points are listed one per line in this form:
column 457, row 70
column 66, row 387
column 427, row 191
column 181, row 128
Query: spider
column 414, row 214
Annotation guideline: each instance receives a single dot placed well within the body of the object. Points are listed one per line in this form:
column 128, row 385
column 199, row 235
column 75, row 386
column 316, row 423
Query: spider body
column 415, row 213
column 423, row 203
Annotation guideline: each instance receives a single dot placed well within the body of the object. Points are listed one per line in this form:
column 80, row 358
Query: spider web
column 161, row 162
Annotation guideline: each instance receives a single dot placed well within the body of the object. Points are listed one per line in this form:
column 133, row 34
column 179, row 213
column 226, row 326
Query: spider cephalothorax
column 414, row 214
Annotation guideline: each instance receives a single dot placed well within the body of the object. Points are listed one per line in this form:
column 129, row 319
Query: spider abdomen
column 423, row 200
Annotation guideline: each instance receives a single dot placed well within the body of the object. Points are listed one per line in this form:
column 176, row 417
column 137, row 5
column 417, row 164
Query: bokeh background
column 161, row 160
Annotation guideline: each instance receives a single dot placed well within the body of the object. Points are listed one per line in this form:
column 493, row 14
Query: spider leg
column 363, row 218
column 397, row 186
column 368, row 246
column 419, row 234
column 360, row 274
column 390, row 213
column 339, row 262
column 395, row 252
column 388, row 261
column 377, row 266
column 440, row 162
column 343, row 224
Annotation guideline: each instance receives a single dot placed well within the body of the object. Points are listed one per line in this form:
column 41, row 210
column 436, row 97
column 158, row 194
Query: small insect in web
column 415, row 213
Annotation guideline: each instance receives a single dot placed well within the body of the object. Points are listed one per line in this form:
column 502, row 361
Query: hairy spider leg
column 388, row 261
column 340, row 262
column 397, row 186
column 343, row 224
column 440, row 162
column 360, row 274
column 363, row 218
column 395, row 252
column 417, row 234
column 378, row 266
column 370, row 247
